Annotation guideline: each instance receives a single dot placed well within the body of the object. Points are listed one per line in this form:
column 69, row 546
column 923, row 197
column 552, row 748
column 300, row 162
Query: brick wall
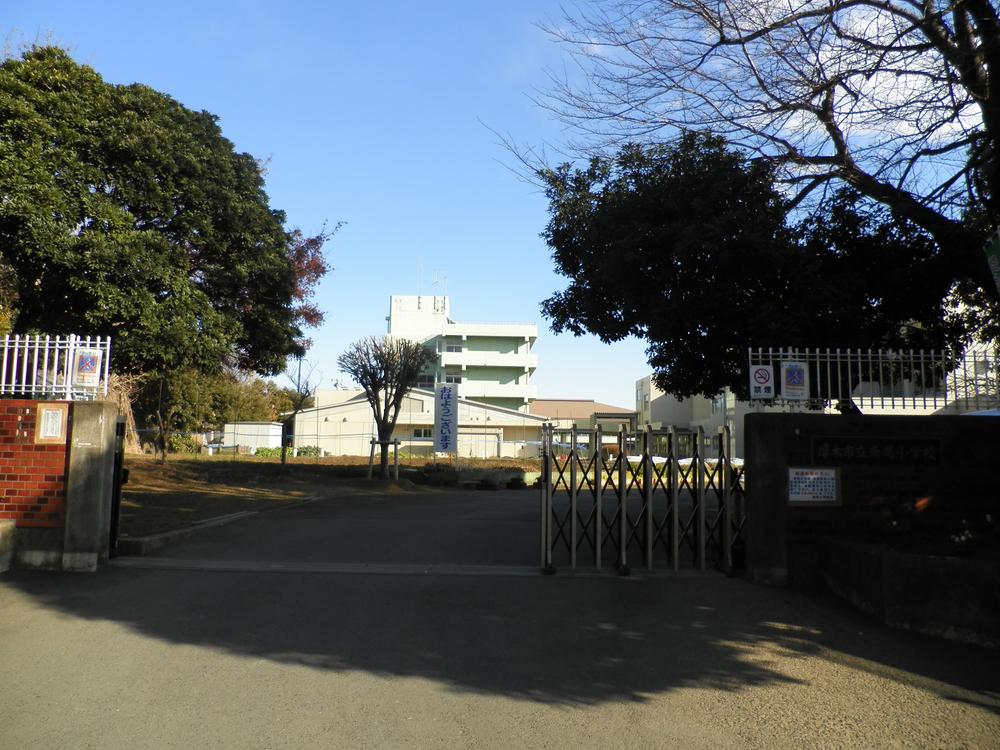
column 32, row 477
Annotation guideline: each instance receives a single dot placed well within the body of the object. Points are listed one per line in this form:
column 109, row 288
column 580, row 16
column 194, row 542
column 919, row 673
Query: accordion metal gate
column 621, row 500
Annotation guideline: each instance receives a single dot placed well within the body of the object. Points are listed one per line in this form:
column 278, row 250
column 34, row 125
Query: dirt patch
column 160, row 497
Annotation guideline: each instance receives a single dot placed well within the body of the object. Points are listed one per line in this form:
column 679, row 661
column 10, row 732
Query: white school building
column 492, row 365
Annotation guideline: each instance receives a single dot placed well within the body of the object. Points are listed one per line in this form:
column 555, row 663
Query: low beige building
column 341, row 424
column 586, row 414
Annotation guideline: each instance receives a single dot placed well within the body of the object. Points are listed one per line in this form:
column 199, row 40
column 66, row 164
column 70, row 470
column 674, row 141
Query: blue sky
column 380, row 117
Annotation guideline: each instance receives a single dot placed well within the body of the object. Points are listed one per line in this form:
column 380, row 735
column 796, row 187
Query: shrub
column 308, row 451
column 183, row 444
column 268, row 452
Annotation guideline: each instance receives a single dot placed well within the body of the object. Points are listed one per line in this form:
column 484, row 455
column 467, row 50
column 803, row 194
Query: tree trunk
column 384, row 461
column 284, row 439
column 164, row 438
column 384, row 435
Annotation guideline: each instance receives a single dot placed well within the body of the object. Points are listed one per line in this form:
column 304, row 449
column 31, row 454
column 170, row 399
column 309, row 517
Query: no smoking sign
column 761, row 381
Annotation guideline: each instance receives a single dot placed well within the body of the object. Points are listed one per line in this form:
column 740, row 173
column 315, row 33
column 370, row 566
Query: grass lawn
column 185, row 490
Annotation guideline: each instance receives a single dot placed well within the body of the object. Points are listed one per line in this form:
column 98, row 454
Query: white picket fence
column 72, row 368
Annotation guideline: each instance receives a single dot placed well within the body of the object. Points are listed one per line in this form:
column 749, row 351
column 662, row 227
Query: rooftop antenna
column 440, row 278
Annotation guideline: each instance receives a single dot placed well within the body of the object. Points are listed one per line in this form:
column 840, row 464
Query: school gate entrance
column 654, row 499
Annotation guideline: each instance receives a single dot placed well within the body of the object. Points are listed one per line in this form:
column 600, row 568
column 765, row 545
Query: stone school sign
column 811, row 477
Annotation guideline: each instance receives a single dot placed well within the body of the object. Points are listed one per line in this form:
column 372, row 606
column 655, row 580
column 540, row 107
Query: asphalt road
column 319, row 627
column 472, row 528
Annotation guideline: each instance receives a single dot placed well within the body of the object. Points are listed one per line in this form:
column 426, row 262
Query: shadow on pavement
column 556, row 640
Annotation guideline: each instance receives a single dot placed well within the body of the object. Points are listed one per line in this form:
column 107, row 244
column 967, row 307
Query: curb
column 130, row 546
column 425, row 570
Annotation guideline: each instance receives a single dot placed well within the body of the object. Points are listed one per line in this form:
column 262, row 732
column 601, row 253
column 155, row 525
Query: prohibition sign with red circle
column 762, row 375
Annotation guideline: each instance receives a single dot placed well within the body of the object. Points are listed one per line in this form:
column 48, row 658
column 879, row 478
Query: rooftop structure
column 585, row 414
column 491, row 362
column 575, row 409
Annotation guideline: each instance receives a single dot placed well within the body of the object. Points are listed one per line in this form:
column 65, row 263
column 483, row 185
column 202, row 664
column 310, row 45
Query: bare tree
column 122, row 390
column 386, row 368
column 899, row 99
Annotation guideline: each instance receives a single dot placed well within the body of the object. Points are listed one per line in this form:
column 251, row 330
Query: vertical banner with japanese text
column 445, row 418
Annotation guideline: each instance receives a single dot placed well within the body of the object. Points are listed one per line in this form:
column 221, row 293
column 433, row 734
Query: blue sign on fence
column 794, row 381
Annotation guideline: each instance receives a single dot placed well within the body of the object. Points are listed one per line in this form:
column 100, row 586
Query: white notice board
column 812, row 486
column 51, row 422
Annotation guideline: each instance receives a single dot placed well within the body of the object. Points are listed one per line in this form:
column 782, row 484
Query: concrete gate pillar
column 89, row 484
column 767, row 489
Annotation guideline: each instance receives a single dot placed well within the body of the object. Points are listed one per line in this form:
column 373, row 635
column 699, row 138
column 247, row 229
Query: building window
column 425, row 381
column 453, row 348
column 422, row 432
column 452, row 378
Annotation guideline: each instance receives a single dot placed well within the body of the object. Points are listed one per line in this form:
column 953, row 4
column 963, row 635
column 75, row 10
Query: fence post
column 699, row 462
column 395, row 457
column 622, row 500
column 68, row 368
column 371, row 458
column 547, row 499
column 675, row 496
column 3, row 364
column 726, row 492
column 647, row 490
column 598, row 489
column 107, row 364
column 543, row 482
column 573, row 458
